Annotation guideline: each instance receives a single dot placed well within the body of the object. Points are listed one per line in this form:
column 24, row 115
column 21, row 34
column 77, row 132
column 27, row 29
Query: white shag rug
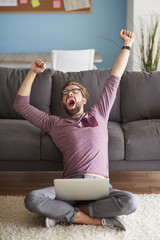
column 16, row 223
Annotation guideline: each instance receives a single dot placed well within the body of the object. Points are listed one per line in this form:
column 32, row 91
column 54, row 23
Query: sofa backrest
column 140, row 96
column 10, row 81
column 92, row 80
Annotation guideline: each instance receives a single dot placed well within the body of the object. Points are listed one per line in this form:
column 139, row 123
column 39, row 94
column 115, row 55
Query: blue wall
column 43, row 32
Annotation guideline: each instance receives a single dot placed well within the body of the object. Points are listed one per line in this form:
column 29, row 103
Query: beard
column 72, row 112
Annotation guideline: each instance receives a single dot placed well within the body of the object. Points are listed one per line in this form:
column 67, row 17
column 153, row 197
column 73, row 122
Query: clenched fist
column 38, row 66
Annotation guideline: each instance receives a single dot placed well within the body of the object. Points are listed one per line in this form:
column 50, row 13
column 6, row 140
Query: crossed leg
column 117, row 203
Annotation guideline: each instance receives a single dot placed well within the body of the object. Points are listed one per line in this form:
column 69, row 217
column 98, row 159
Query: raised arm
column 21, row 103
column 108, row 95
column 122, row 60
column 37, row 67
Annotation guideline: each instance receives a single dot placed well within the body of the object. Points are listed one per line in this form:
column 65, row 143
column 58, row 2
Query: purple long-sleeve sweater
column 82, row 139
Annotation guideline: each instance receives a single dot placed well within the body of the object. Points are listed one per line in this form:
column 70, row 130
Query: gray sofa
column 134, row 122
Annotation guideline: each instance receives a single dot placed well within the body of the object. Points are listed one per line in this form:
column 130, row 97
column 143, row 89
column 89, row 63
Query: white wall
column 135, row 10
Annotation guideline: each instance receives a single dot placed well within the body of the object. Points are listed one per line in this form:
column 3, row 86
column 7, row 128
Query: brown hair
column 84, row 91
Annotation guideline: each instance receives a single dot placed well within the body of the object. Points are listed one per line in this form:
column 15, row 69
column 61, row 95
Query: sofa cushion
column 10, row 81
column 140, row 96
column 93, row 80
column 142, row 139
column 116, row 141
column 19, row 141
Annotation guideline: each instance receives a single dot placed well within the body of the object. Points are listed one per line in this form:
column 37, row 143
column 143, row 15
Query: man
column 85, row 155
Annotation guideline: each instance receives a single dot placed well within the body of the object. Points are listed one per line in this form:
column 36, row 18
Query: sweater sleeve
column 30, row 113
column 107, row 98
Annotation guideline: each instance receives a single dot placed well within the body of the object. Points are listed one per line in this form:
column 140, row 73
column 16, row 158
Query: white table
column 24, row 60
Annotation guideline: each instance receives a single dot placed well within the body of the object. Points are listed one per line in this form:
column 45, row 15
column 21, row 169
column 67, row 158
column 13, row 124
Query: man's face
column 73, row 100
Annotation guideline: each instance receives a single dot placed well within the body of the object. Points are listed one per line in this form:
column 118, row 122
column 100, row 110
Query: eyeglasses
column 74, row 91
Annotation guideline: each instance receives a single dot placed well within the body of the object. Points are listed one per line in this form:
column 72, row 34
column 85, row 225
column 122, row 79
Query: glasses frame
column 65, row 92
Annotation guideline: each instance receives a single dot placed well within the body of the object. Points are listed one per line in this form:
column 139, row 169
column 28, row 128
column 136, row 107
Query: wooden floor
column 20, row 183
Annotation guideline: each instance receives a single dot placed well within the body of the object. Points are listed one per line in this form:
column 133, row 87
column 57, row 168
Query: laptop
column 81, row 188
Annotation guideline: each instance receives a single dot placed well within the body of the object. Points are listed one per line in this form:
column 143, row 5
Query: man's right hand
column 38, row 66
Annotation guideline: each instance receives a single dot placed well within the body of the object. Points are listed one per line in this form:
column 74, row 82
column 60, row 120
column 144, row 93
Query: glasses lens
column 66, row 91
column 75, row 90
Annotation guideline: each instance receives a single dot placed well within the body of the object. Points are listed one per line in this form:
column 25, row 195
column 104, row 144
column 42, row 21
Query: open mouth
column 71, row 102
